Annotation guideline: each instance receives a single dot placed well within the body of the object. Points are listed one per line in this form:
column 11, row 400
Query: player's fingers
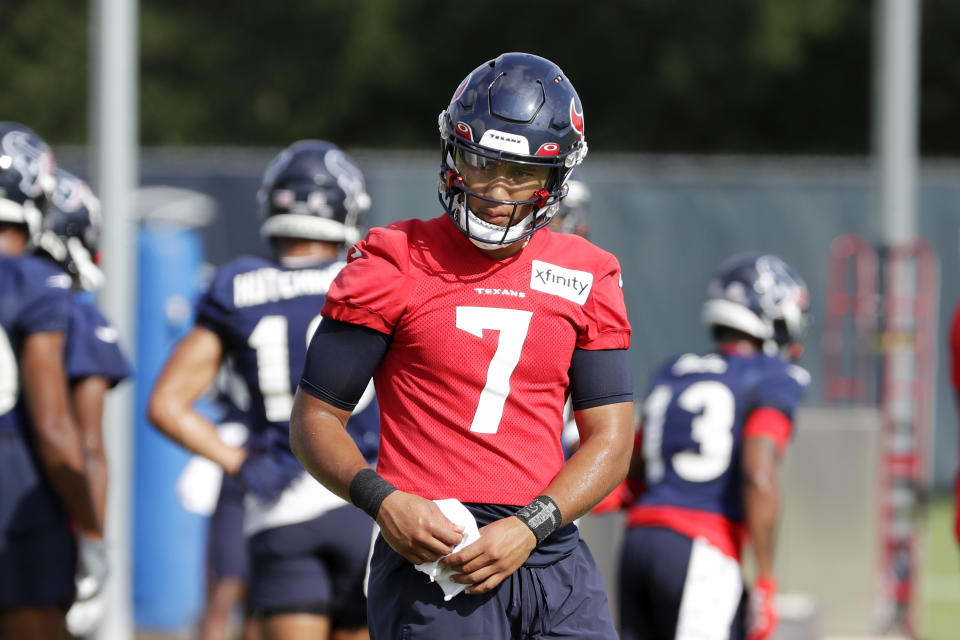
column 426, row 542
column 445, row 531
column 467, row 555
column 476, row 576
column 417, row 547
column 466, row 563
column 489, row 584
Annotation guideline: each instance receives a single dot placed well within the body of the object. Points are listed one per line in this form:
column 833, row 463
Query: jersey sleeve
column 215, row 306
column 92, row 348
column 47, row 307
column 769, row 423
column 782, row 390
column 373, row 289
column 607, row 326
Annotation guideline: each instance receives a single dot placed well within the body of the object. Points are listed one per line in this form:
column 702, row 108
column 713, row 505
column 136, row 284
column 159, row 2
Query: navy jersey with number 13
column 694, row 426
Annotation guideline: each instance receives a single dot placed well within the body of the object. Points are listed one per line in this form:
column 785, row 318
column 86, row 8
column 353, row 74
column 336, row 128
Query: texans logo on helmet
column 460, row 89
column 576, row 119
column 28, row 159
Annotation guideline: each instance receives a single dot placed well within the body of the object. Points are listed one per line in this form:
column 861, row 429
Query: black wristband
column 368, row 490
column 542, row 516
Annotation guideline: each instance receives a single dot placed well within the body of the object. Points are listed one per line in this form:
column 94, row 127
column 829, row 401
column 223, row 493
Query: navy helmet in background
column 70, row 232
column 26, row 175
column 517, row 108
column 762, row 296
column 313, row 190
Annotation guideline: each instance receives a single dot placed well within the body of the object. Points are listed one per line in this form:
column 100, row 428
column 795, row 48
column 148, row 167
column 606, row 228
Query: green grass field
column 939, row 610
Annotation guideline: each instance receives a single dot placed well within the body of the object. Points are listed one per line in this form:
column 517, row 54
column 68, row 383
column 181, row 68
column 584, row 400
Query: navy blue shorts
column 27, row 502
column 564, row 599
column 313, row 567
column 654, row 567
column 38, row 555
column 227, row 555
column 37, row 568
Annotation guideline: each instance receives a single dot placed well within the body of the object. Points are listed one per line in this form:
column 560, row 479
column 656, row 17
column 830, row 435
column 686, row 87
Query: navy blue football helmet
column 312, row 190
column 519, row 109
column 760, row 295
column 26, row 175
column 70, row 233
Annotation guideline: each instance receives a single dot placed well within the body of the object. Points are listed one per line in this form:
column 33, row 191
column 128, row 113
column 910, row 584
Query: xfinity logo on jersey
column 270, row 285
column 566, row 283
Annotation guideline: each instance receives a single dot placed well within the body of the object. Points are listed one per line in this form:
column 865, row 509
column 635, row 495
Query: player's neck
column 508, row 251
column 12, row 241
column 738, row 347
column 299, row 253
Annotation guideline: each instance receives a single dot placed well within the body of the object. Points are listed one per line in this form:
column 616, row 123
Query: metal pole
column 895, row 106
column 113, row 127
column 896, row 124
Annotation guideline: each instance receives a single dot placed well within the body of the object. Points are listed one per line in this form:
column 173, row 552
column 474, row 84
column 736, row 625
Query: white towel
column 458, row 514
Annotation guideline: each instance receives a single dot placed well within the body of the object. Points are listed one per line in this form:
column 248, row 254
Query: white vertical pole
column 895, row 106
column 895, row 149
column 113, row 137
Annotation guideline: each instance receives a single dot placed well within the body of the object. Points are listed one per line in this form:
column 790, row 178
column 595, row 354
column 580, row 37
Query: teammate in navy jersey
column 70, row 236
column 476, row 325
column 43, row 480
column 714, row 429
column 308, row 547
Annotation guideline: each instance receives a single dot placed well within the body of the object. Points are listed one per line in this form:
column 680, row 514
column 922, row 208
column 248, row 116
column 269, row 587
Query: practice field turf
column 940, row 580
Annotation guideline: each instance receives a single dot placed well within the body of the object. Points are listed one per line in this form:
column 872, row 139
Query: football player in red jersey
column 476, row 325
column 955, row 381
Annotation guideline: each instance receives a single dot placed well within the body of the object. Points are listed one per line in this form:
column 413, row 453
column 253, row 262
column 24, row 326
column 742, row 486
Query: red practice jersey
column 472, row 387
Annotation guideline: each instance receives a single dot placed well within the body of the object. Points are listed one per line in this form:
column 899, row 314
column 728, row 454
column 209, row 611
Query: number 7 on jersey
column 513, row 325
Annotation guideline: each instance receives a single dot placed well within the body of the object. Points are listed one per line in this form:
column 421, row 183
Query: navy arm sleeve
column 340, row 362
column 600, row 377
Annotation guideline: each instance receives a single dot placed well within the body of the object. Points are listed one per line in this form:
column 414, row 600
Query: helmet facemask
column 459, row 157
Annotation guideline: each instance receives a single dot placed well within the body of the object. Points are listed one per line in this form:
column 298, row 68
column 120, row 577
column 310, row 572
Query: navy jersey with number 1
column 695, row 416
column 265, row 315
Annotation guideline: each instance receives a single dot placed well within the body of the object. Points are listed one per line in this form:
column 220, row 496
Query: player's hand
column 416, row 527
column 504, row 545
column 85, row 616
column 92, row 566
column 762, row 612
column 265, row 477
